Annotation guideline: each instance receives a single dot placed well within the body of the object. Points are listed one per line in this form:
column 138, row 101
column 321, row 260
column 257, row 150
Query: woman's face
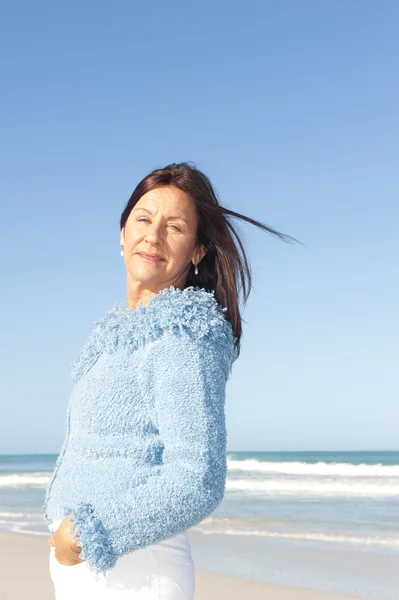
column 163, row 223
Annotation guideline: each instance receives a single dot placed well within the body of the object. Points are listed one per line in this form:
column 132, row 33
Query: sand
column 24, row 575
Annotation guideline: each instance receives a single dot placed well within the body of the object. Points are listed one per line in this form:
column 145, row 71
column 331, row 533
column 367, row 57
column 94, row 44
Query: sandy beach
column 24, row 575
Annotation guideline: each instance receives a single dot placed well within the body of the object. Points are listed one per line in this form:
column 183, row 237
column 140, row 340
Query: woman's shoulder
column 193, row 312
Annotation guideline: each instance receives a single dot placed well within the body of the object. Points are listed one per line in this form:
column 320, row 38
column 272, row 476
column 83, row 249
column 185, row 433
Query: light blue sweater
column 144, row 454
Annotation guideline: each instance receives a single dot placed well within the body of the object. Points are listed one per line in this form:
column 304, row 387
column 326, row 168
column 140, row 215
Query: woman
column 144, row 455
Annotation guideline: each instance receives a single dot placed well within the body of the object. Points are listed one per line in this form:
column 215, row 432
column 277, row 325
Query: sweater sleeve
column 186, row 379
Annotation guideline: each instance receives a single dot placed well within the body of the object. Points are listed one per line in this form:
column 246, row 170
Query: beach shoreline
column 25, row 573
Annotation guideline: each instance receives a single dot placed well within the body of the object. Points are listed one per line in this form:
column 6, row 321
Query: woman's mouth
column 153, row 258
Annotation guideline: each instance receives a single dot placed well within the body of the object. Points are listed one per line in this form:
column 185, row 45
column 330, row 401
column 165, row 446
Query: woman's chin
column 148, row 277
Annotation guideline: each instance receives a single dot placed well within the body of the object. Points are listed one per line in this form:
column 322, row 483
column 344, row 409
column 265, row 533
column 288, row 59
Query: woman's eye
column 144, row 220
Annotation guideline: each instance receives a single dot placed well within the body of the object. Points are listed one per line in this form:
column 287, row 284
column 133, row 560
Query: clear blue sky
column 291, row 108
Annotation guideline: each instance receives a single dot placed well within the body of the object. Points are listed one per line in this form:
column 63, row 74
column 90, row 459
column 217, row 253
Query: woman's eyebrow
column 179, row 218
column 150, row 213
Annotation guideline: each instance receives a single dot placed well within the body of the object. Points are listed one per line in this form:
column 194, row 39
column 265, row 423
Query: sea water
column 323, row 520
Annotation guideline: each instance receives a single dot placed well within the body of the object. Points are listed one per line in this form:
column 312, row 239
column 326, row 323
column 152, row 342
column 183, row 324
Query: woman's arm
column 186, row 378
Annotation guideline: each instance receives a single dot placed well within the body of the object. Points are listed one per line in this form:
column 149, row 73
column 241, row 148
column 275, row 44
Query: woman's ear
column 199, row 254
column 122, row 237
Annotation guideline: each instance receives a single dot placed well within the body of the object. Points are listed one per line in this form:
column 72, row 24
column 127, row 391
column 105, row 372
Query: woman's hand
column 66, row 548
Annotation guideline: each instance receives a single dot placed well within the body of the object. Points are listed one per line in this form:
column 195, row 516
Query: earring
column 121, row 250
column 196, row 269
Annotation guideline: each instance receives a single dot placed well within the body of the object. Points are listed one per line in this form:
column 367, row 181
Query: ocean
column 321, row 520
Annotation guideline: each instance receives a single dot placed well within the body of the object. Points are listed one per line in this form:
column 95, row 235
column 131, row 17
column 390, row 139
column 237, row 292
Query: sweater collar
column 193, row 309
column 169, row 294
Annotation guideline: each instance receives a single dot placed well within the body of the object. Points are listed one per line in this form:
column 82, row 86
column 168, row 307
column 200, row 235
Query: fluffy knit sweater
column 144, row 453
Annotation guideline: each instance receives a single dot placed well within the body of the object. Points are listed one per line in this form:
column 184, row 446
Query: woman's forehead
column 168, row 199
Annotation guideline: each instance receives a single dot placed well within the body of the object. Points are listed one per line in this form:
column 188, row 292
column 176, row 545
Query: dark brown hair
column 225, row 267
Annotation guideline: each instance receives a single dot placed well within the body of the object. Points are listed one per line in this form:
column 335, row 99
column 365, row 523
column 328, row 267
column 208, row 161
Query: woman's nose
column 154, row 234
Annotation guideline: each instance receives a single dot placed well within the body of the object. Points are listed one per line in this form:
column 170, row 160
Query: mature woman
column 144, row 455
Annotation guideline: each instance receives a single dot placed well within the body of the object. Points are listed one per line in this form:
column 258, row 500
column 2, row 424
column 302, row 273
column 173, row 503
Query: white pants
column 162, row 571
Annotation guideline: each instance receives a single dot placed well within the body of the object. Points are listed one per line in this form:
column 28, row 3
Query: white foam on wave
column 23, row 480
column 315, row 487
column 319, row 468
column 17, row 515
column 313, row 537
column 322, row 485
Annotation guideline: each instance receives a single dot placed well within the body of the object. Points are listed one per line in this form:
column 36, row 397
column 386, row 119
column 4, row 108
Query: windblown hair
column 225, row 268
